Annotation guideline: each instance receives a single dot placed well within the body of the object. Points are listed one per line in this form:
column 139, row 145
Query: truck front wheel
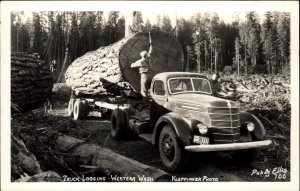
column 173, row 157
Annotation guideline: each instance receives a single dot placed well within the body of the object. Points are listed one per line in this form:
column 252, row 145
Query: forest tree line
column 209, row 44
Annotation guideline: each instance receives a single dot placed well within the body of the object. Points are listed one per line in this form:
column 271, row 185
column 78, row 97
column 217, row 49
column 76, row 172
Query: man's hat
column 143, row 53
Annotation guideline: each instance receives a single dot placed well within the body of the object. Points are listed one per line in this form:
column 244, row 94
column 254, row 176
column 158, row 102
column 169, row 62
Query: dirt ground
column 211, row 166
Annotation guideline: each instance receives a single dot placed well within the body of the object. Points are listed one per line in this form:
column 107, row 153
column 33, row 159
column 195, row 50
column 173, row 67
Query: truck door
column 158, row 102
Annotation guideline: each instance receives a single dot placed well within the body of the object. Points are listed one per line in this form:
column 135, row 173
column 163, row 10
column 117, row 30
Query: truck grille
column 225, row 124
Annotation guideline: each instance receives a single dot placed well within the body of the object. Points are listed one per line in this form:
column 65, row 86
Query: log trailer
column 181, row 116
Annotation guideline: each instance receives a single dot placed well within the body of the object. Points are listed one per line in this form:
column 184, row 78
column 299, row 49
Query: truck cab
column 184, row 116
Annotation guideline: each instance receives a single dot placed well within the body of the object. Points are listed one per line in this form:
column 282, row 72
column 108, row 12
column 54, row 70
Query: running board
column 147, row 137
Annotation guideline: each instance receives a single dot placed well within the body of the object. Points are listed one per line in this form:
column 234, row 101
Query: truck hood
column 201, row 100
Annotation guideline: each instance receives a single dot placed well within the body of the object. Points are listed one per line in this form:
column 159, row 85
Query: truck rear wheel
column 173, row 157
column 70, row 107
column 118, row 124
column 85, row 108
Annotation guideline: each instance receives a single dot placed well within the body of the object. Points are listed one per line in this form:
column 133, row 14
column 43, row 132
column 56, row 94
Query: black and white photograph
column 191, row 95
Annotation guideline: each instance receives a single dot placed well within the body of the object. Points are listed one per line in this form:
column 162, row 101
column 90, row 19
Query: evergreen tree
column 243, row 36
column 185, row 31
column 110, row 28
column 237, row 54
column 98, row 30
column 148, row 25
column 198, row 37
column 166, row 25
column 253, row 36
column 283, row 30
column 212, row 43
column 38, row 34
column 59, row 46
column 137, row 24
column 15, row 27
column 74, row 37
column 214, row 40
column 121, row 28
column 266, row 36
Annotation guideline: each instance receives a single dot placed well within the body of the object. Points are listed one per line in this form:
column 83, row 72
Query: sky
column 150, row 9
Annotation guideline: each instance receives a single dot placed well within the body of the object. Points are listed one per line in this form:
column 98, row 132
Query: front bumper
column 228, row 147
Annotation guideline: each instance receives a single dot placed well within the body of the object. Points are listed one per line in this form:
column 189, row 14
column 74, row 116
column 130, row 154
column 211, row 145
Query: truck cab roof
column 166, row 75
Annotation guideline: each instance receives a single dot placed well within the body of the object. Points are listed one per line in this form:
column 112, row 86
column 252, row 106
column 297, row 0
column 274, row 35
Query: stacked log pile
column 31, row 81
column 111, row 64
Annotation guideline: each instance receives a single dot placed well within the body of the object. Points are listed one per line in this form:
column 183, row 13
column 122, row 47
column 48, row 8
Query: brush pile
column 268, row 98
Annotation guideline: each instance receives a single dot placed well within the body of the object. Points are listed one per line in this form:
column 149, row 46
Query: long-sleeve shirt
column 143, row 63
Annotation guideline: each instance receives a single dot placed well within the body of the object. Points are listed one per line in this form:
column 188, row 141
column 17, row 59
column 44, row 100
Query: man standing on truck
column 144, row 69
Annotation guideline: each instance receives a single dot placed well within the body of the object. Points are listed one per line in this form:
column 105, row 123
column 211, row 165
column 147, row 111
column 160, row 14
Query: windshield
column 183, row 85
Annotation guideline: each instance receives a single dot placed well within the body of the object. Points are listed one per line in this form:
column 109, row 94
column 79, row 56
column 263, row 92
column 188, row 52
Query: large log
column 108, row 161
column 48, row 176
column 22, row 160
column 31, row 81
column 112, row 63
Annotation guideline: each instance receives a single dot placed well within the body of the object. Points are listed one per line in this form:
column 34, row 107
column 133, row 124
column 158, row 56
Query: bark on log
column 107, row 160
column 22, row 161
column 48, row 176
column 112, row 63
column 31, row 81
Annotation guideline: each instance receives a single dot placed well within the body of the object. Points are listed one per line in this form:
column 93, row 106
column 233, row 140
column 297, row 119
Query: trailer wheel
column 172, row 155
column 118, row 124
column 78, row 110
column 70, row 107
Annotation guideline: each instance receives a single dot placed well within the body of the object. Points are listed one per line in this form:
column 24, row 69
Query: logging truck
column 181, row 116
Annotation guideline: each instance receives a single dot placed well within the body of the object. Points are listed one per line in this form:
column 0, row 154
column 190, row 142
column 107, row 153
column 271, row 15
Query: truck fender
column 180, row 125
column 259, row 131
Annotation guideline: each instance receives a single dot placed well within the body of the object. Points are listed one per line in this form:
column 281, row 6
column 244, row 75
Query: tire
column 172, row 155
column 70, row 107
column 245, row 157
column 130, row 133
column 78, row 110
column 85, row 109
column 106, row 114
column 118, row 124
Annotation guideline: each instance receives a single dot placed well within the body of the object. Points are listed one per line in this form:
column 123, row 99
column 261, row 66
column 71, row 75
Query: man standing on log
column 144, row 69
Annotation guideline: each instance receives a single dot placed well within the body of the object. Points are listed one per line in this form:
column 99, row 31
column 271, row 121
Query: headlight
column 250, row 126
column 202, row 128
